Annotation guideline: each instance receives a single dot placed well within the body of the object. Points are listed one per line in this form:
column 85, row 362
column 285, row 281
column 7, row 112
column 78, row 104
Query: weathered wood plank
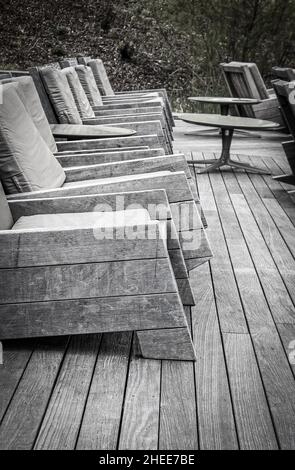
column 151, row 141
column 253, row 419
column 178, row 413
column 76, row 281
column 140, row 420
column 83, row 316
column 172, row 344
column 215, row 413
column 106, row 157
column 61, row 422
column 23, row 417
column 16, row 355
column 227, row 296
column 45, row 247
column 102, row 417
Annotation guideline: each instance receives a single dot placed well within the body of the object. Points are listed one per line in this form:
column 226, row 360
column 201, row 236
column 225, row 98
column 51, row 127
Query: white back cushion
column 60, row 95
column 101, row 77
column 88, row 83
column 26, row 162
column 30, row 98
column 78, row 93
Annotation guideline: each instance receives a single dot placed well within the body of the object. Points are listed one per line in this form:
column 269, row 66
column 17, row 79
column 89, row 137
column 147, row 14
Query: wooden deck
column 92, row 392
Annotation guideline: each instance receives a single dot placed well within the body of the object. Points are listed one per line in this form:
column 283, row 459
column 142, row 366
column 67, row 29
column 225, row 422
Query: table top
column 223, row 100
column 228, row 122
column 81, row 131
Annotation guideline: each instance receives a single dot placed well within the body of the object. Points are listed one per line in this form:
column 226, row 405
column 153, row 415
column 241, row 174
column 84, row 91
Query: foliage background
column 176, row 44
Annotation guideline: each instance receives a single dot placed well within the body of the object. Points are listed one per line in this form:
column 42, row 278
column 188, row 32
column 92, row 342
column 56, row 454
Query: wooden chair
column 244, row 81
column 107, row 91
column 58, row 277
column 285, row 92
column 143, row 124
column 284, row 73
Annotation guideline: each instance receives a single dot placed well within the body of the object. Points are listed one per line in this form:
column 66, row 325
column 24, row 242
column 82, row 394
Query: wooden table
column 225, row 103
column 227, row 126
column 79, row 132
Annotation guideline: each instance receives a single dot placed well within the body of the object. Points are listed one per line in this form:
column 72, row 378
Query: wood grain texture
column 178, row 414
column 253, row 418
column 108, row 170
column 90, row 316
column 41, row 248
column 106, row 157
column 215, row 415
column 140, row 420
column 16, row 355
column 151, row 141
column 172, row 344
column 76, row 281
column 101, row 421
column 20, row 426
column 61, row 422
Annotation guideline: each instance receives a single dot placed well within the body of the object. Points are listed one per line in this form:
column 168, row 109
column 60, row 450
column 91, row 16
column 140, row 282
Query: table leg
column 227, row 135
column 247, row 167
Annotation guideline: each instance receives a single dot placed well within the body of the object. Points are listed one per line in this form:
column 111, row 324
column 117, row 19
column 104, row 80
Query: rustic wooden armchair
column 29, row 167
column 108, row 92
column 244, row 80
column 285, row 92
column 284, row 73
column 58, row 277
column 59, row 94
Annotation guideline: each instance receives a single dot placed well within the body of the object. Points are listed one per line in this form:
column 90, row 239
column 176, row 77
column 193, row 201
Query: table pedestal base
column 225, row 160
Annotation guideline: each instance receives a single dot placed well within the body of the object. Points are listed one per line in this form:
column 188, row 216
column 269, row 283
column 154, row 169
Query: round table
column 225, row 103
column 227, row 125
column 81, row 131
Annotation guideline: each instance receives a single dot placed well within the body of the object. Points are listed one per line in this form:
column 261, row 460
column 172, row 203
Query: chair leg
column 171, row 344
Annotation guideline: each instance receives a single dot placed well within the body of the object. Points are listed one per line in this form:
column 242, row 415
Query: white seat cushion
column 26, row 162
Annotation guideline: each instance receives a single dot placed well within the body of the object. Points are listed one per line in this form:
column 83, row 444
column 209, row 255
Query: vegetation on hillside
column 176, row 44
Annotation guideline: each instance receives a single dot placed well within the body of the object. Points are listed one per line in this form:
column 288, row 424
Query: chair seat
column 83, row 220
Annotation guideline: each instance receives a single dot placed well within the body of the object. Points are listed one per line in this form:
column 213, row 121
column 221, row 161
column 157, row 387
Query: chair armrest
column 108, row 202
column 141, row 127
column 70, row 160
column 45, row 247
column 127, row 111
column 151, row 141
column 129, row 104
column 175, row 184
column 128, row 167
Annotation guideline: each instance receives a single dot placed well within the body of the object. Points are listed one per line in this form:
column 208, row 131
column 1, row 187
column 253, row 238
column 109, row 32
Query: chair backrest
column 26, row 162
column 285, row 92
column 60, row 95
column 244, row 80
column 68, row 62
column 49, row 110
column 284, row 73
column 80, row 97
column 89, row 85
column 31, row 100
column 100, row 75
column 6, row 220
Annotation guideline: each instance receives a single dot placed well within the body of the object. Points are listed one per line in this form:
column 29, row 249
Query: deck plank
column 62, row 419
column 20, row 425
column 216, row 422
column 140, row 420
column 16, row 355
column 101, row 422
column 252, row 414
